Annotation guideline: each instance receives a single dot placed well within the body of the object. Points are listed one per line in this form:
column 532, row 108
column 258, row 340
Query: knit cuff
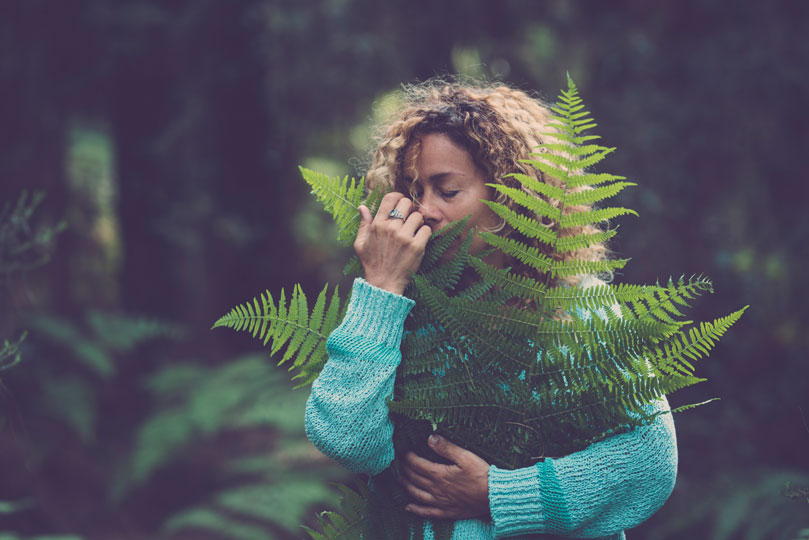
column 376, row 314
column 514, row 500
column 557, row 517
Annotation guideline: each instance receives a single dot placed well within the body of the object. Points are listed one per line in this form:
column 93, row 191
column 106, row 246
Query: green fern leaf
column 595, row 195
column 290, row 326
column 525, row 254
column 341, row 198
column 519, row 286
column 579, row 219
column 568, row 164
column 530, row 202
column 525, row 225
column 535, row 185
column 350, row 523
column 576, row 267
column 573, row 243
column 675, row 354
column 591, row 179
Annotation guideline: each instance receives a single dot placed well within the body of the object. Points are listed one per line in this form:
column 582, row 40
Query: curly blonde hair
column 499, row 126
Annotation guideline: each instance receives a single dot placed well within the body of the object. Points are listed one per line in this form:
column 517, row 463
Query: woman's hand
column 391, row 249
column 456, row 491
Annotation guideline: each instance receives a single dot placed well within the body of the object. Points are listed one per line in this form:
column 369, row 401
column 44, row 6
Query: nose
column 427, row 207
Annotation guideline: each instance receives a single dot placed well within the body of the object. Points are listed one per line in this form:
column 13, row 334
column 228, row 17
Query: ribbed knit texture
column 598, row 492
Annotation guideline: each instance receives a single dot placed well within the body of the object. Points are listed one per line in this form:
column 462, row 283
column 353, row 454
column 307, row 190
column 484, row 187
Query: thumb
column 444, row 448
column 365, row 215
column 365, row 218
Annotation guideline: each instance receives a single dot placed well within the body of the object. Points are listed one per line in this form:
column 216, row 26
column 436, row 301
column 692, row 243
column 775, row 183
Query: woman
column 446, row 143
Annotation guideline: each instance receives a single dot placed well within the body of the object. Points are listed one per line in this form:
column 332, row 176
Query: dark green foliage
column 10, row 352
column 22, row 246
column 90, row 353
column 97, row 341
column 754, row 504
column 348, row 524
column 196, row 402
column 510, row 384
column 254, row 493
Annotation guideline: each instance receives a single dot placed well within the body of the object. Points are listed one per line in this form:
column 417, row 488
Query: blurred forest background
column 165, row 137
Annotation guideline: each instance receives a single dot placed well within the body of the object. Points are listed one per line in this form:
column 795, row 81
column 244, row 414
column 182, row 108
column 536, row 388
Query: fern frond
column 520, row 286
column 10, row 352
column 591, row 179
column 528, row 201
column 580, row 219
column 341, row 198
column 548, row 168
column 525, row 225
column 350, row 522
column 353, row 267
column 513, row 248
column 447, row 311
column 595, row 195
column 566, row 165
column 659, row 303
column 574, row 267
column 569, row 149
column 676, row 353
column 291, row 325
column 548, row 190
column 572, row 243
column 440, row 242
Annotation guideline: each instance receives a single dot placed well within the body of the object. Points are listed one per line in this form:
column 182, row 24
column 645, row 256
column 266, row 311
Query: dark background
column 167, row 135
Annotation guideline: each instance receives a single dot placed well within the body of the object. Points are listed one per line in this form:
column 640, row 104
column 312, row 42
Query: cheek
column 484, row 217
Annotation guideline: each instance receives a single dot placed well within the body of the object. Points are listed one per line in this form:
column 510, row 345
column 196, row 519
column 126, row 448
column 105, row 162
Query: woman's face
column 449, row 186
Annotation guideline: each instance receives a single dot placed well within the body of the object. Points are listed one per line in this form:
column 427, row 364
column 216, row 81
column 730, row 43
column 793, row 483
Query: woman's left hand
column 456, row 491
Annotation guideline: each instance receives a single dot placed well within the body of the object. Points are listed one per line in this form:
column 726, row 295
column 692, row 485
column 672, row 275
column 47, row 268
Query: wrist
column 386, row 284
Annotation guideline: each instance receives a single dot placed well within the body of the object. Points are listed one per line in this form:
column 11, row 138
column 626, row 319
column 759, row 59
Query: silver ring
column 395, row 214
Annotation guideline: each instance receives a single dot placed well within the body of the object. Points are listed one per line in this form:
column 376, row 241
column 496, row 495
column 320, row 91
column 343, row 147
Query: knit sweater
column 598, row 492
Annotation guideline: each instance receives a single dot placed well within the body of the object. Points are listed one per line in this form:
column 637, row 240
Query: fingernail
column 433, row 440
column 409, row 508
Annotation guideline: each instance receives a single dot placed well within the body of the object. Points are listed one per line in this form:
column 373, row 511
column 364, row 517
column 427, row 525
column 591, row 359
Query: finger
column 425, row 467
column 413, row 223
column 419, row 495
column 428, row 511
column 411, row 475
column 387, row 204
column 446, row 449
column 405, row 206
column 423, row 235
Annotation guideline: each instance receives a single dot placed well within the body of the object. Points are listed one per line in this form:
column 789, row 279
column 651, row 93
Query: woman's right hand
column 391, row 249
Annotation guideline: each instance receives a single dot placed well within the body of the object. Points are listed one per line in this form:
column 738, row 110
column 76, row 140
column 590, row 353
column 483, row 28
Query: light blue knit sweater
column 598, row 492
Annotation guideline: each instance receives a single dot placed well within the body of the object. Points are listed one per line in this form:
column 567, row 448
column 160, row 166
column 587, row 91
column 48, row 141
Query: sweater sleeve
column 608, row 487
column 347, row 413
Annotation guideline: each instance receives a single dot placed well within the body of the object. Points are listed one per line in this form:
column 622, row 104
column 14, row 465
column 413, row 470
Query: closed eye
column 449, row 194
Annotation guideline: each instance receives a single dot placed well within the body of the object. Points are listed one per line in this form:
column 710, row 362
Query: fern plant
column 515, row 385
